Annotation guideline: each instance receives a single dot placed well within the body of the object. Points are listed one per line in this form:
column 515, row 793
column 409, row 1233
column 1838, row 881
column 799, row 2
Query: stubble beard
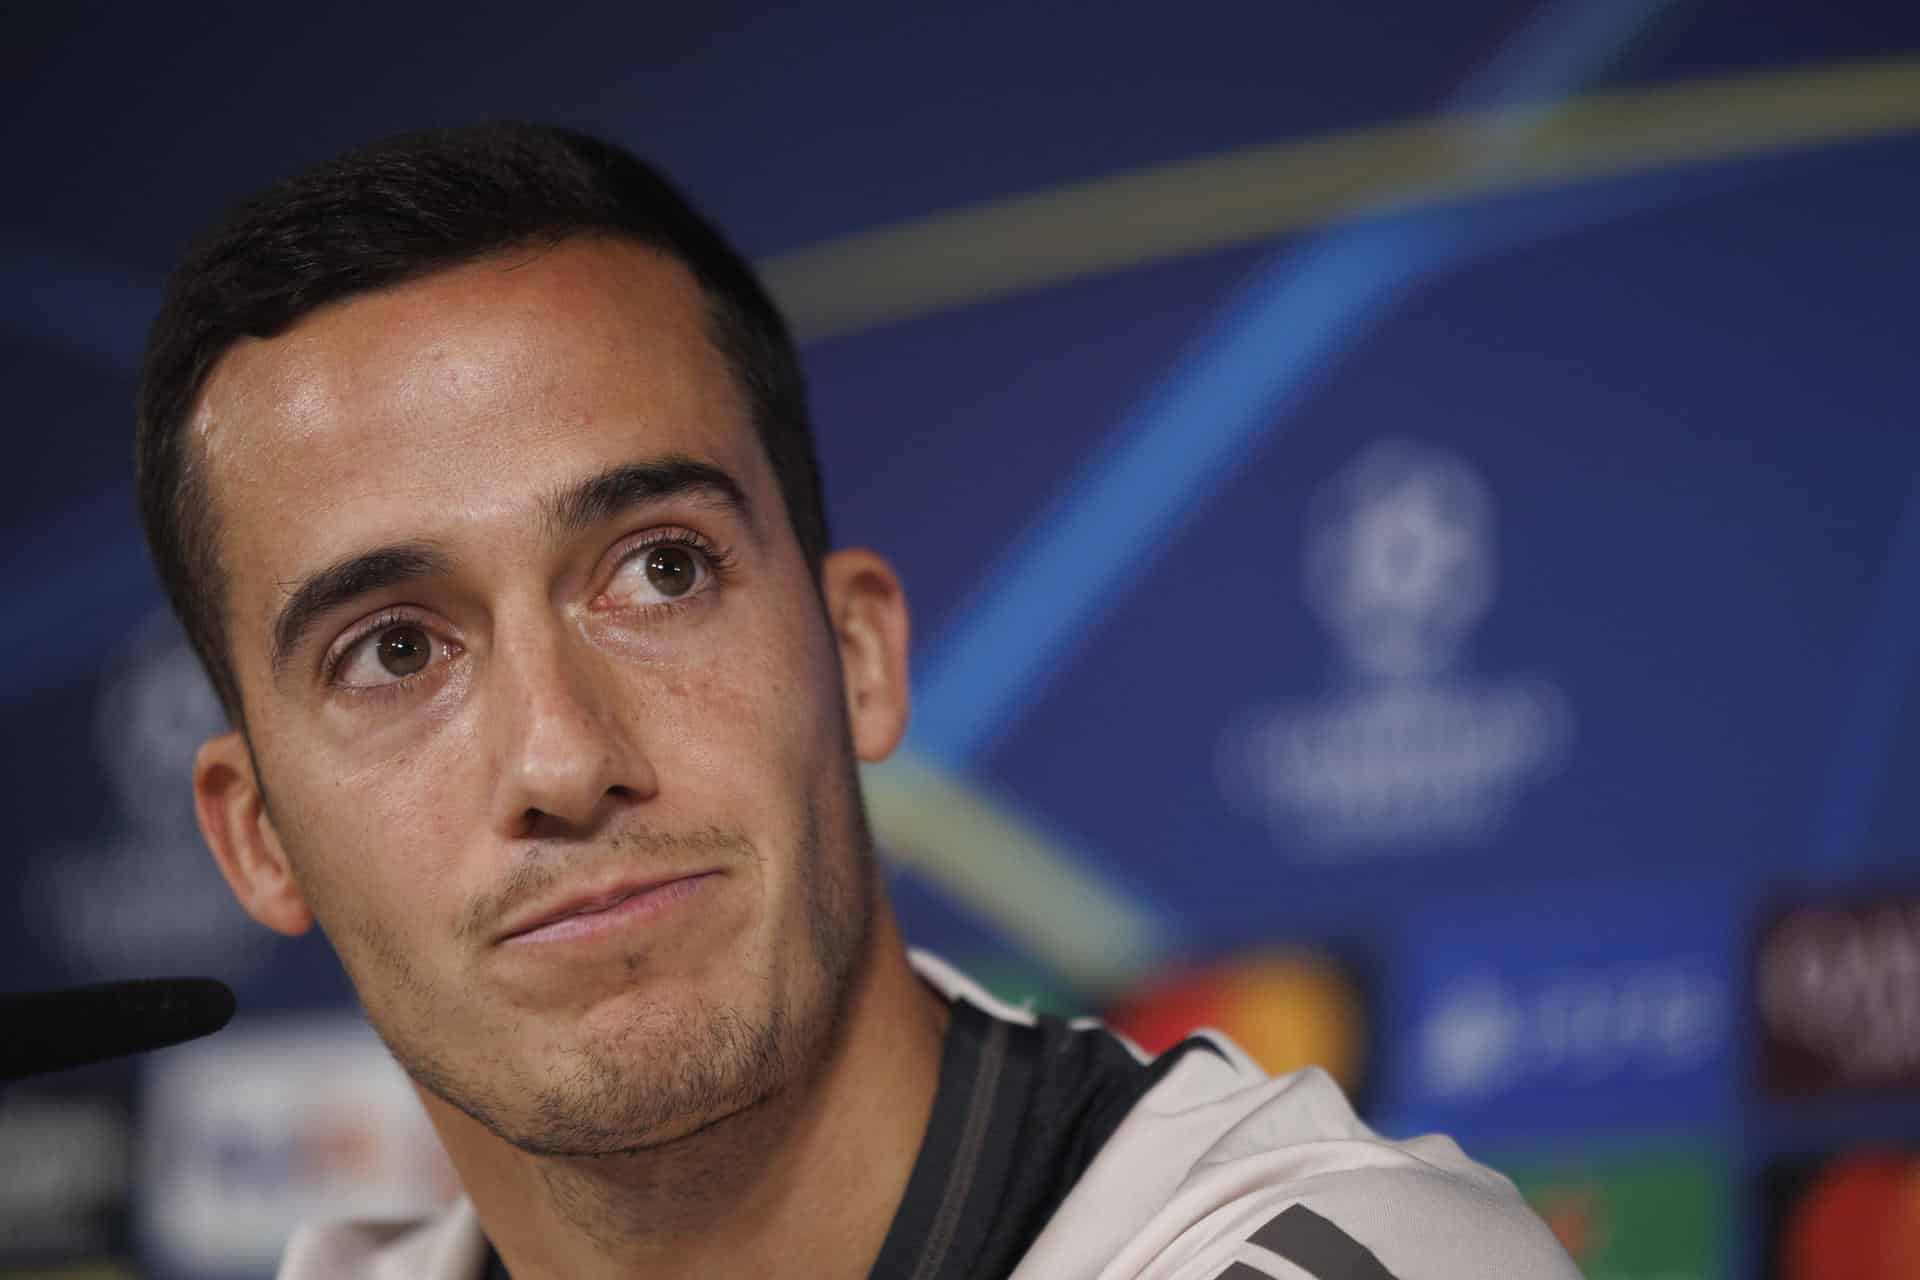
column 672, row 1072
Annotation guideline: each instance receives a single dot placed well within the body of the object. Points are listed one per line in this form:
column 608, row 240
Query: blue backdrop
column 1430, row 488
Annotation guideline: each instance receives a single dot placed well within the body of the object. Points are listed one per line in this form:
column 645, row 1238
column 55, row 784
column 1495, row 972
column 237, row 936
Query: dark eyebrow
column 325, row 590
column 619, row 489
column 597, row 498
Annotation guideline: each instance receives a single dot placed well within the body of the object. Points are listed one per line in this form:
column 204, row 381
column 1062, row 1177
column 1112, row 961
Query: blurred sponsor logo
column 255, row 1132
column 151, row 899
column 64, row 1176
column 1838, row 987
column 1401, row 565
column 1485, row 1034
column 1287, row 1007
column 1855, row 1216
column 1652, row 1216
column 1543, row 1014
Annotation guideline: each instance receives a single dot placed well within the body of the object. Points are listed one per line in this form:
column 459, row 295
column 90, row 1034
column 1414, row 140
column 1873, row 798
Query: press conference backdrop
column 1413, row 519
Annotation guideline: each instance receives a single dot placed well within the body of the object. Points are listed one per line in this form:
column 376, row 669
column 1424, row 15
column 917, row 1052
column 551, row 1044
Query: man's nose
column 569, row 756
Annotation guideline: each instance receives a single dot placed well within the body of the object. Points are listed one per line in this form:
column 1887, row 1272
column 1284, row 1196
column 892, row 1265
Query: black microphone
column 53, row 1030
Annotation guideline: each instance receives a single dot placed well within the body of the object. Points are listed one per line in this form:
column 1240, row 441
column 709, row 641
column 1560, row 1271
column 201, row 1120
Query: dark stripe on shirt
column 1319, row 1248
column 1059, row 1096
column 966, row 1156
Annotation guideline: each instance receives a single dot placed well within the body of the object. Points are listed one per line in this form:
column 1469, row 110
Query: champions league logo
column 151, row 898
column 1414, row 750
column 1400, row 560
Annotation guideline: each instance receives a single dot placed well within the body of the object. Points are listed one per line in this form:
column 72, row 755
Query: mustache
column 644, row 849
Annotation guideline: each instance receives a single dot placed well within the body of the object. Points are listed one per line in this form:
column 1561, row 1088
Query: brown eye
column 394, row 649
column 662, row 573
column 672, row 570
column 404, row 649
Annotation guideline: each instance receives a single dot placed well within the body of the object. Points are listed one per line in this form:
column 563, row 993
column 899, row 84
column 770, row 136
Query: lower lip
column 646, row 907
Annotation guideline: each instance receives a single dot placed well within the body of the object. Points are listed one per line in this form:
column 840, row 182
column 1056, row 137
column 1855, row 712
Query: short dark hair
column 395, row 211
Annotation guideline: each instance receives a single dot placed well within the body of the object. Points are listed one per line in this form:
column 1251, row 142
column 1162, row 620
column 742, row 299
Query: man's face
column 547, row 716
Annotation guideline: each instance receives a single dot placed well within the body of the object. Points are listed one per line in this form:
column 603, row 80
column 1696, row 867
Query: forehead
column 460, row 399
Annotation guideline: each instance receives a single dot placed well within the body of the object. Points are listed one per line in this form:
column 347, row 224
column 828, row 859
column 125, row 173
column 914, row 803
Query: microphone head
column 52, row 1030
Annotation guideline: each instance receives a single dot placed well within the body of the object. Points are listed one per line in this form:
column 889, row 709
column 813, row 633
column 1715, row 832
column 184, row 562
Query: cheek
column 767, row 715
column 406, row 796
column 378, row 841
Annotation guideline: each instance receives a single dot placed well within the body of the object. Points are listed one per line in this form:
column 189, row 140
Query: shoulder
column 1220, row 1172
column 446, row 1246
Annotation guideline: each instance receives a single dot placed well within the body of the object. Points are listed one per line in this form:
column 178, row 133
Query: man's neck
column 814, row 1172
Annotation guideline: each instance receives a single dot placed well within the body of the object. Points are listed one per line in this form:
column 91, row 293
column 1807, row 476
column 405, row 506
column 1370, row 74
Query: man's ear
column 233, row 817
column 867, row 608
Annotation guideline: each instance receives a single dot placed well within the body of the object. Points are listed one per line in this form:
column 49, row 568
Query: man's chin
column 617, row 1084
column 600, row 1140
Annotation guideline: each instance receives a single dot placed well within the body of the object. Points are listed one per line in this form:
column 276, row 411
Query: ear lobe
column 868, row 610
column 232, row 811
